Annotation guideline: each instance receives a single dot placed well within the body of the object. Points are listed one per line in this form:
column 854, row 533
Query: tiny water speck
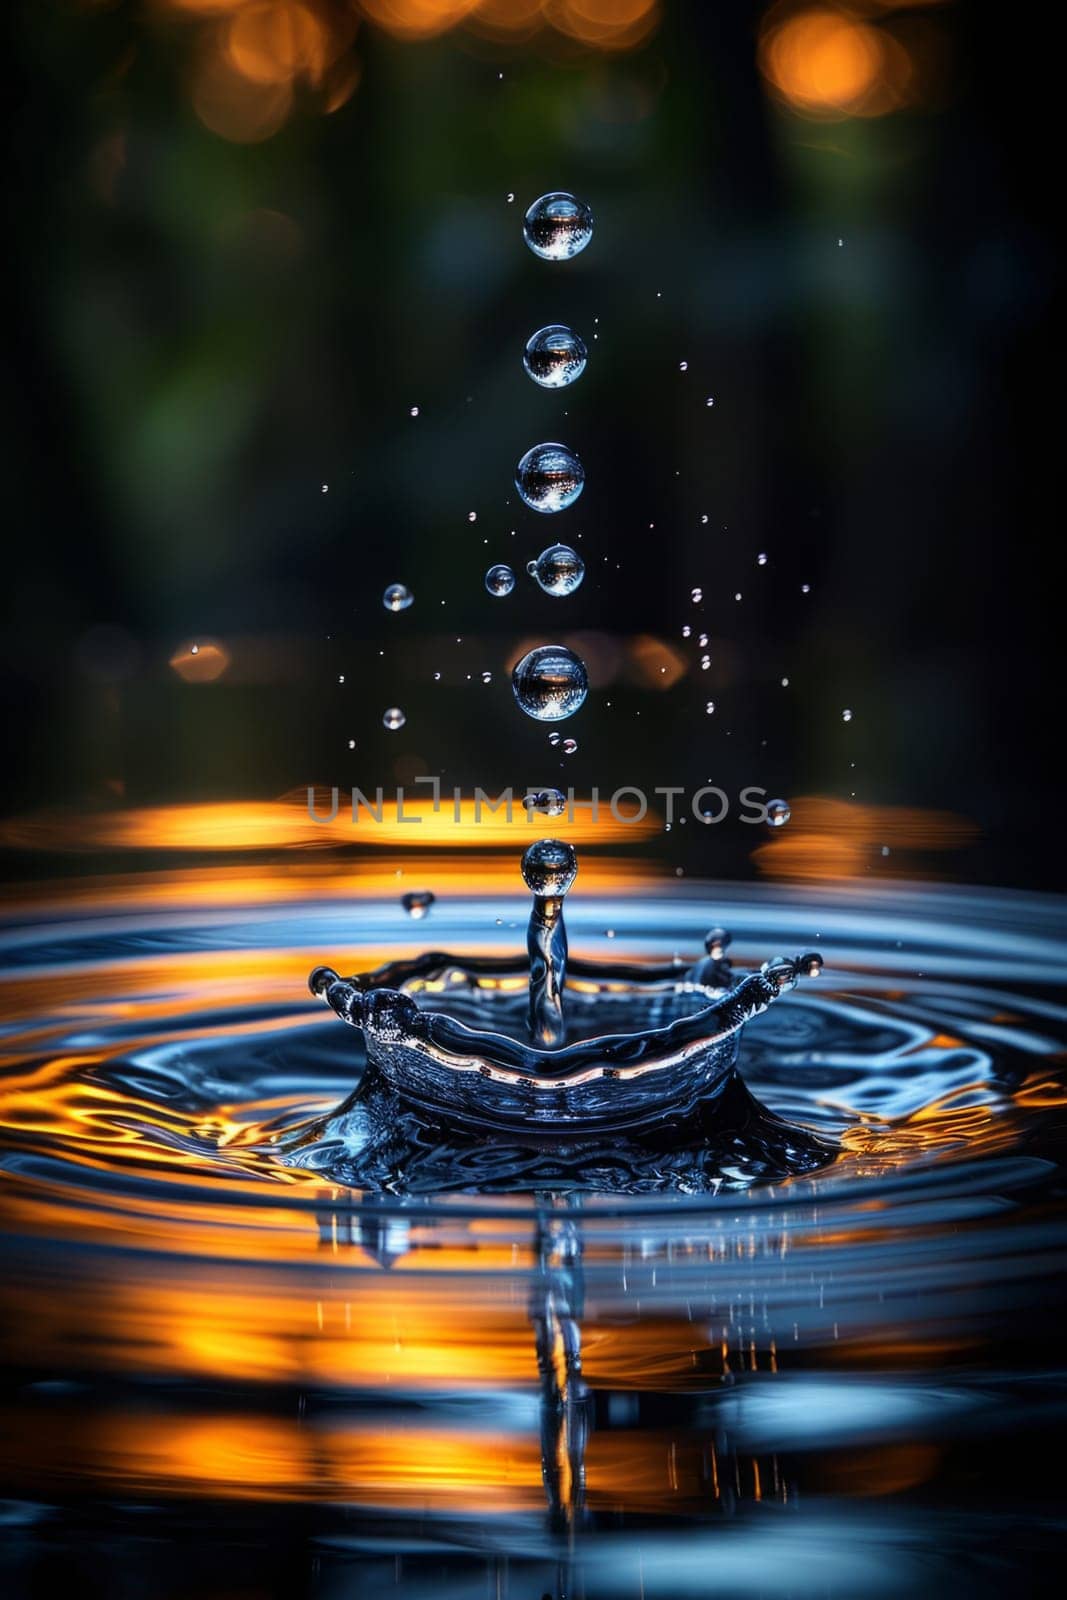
column 550, row 683
column 472, row 516
column 697, row 596
column 710, row 401
column 710, row 708
column 785, row 683
column 418, row 903
column 549, row 802
column 705, row 663
column 686, row 631
column 558, row 226
column 393, row 719
column 558, row 570
column 846, row 715
column 487, row 677
column 805, row 588
column 761, row 559
column 549, row 478
column 703, row 641
column 683, row 366
column 414, row 411
column 499, row 580
column 554, row 739
column 569, row 746
column 778, row 813
column 397, row 597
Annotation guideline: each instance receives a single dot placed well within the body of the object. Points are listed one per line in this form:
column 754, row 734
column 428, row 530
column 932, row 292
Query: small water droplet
column 559, row 570
column 418, row 903
column 549, row 478
column 697, row 596
column 500, row 580
column 554, row 738
column 778, row 813
column 683, row 366
column 437, row 677
column 761, row 559
column 397, row 597
column 550, row 683
column 351, row 744
column 487, row 677
column 393, row 719
column 557, row 226
column 785, row 683
column 569, row 746
column 326, row 488
column 472, row 516
column 703, row 641
column 710, row 401
column 704, row 518
column 194, row 650
column 710, row 708
column 609, row 933
column 705, row 663
column 805, row 588
column 414, row 411
column 686, row 631
column 340, row 675
column 738, row 595
column 511, row 199
column 555, row 356
column 846, row 715
column 550, row 802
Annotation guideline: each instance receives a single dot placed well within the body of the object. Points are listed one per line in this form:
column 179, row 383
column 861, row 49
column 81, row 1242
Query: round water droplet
column 703, row 641
column 683, row 366
column 487, row 677
column 549, row 478
column 846, row 716
column 414, row 411
column 778, row 813
column 697, row 596
column 550, row 683
column 500, row 580
column 397, row 597
column 550, row 802
column 609, row 933
column 418, row 903
column 761, row 559
column 705, row 663
column 554, row 356
column 437, row 677
column 557, row 226
column 558, row 570
column 549, row 866
column 686, row 631
column 393, row 719
column 472, row 516
column 554, row 738
column 569, row 746
column 710, row 708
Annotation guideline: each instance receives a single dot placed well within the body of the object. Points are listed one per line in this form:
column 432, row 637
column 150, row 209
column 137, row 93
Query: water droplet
column 472, row 516
column 683, row 366
column 554, row 738
column 558, row 570
column 326, row 488
column 710, row 708
column 705, row 663
column 487, row 677
column 549, row 867
column 697, row 596
column 609, row 933
column 549, row 478
column 569, row 746
column 557, row 226
column 351, row 744
column 550, row 683
column 805, row 588
column 500, row 580
column 704, row 518
column 414, row 411
column 785, row 683
column 418, row 903
column 437, row 677
column 710, row 401
column 761, row 559
column 194, row 650
column 885, row 849
column 397, row 597
column 340, row 675
column 686, row 631
column 703, row 641
column 846, row 716
column 393, row 719
column 511, row 199
column 554, row 356
column 778, row 813
column 550, row 802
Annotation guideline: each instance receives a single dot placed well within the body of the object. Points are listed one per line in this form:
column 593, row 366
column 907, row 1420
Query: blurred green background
column 248, row 238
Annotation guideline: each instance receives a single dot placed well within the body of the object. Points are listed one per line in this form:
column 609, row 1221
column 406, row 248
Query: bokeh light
column 828, row 63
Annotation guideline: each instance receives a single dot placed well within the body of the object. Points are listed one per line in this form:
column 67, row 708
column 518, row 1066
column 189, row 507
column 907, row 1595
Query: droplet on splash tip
column 499, row 580
column 549, row 478
column 393, row 719
column 550, row 683
column 418, row 903
column 558, row 570
column 397, row 597
column 549, row 867
column 558, row 226
column 555, row 356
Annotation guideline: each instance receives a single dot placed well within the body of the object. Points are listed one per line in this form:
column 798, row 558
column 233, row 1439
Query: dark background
column 203, row 331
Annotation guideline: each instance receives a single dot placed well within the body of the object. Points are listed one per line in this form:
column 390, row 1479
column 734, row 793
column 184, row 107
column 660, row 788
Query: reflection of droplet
column 393, row 719
column 417, row 903
column 558, row 570
column 778, row 813
column 549, row 478
column 557, row 226
column 397, row 597
column 500, row 580
column 554, row 356
column 550, row 683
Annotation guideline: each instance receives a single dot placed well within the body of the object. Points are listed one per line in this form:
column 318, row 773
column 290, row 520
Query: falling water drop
column 393, row 719
column 703, row 641
column 414, row 411
column 569, row 746
column 683, row 366
column 558, row 570
column 554, row 738
column 687, row 631
column 554, row 356
column 417, row 903
column 778, row 813
column 549, row 478
column 761, row 559
column 550, row 683
column 500, row 580
column 487, row 677
column 472, row 516
column 557, row 226
column 549, row 802
column 846, row 716
column 397, row 597
column 710, row 708
column 697, row 596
